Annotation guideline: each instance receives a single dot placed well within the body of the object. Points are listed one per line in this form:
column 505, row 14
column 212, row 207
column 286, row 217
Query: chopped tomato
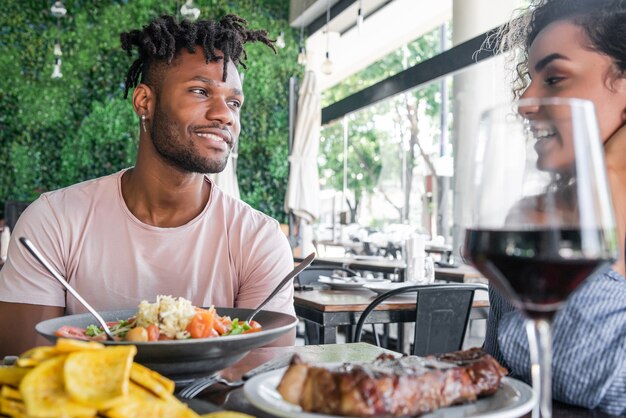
column 153, row 332
column 222, row 324
column 72, row 332
column 201, row 325
column 254, row 327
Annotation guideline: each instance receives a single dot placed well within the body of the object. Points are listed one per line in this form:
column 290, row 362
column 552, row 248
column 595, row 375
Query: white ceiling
column 388, row 26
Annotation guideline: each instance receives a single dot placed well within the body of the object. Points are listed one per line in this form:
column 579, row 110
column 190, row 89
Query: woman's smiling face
column 563, row 63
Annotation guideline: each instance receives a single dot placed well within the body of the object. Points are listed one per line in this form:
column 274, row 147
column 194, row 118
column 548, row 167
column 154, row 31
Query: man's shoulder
column 86, row 186
column 240, row 211
column 76, row 199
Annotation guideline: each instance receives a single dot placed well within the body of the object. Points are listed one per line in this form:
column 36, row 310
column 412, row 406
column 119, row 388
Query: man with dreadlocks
column 160, row 227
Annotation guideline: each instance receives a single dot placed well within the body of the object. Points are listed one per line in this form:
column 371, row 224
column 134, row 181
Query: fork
column 199, row 385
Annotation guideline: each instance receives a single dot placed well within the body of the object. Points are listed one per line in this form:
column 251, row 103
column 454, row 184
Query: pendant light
column 189, row 11
column 327, row 65
column 280, row 40
column 359, row 17
column 57, row 10
column 302, row 59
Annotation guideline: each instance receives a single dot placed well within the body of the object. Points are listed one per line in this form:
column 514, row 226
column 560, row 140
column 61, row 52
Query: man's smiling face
column 196, row 116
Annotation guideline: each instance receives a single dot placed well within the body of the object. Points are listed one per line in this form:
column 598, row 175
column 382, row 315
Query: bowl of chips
column 183, row 360
column 79, row 378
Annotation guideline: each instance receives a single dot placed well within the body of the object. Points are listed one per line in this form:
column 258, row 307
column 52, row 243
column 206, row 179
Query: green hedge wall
column 56, row 132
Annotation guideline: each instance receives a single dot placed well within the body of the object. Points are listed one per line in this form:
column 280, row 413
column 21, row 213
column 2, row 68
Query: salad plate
column 181, row 360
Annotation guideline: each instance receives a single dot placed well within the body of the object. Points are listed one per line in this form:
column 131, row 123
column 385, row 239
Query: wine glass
column 541, row 218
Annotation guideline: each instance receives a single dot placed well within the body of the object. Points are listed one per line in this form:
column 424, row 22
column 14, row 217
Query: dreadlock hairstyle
column 161, row 40
column 603, row 21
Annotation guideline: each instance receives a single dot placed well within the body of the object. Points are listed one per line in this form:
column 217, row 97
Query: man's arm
column 17, row 326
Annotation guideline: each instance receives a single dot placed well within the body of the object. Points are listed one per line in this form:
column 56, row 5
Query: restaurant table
column 328, row 309
column 444, row 251
column 222, row 397
column 460, row 274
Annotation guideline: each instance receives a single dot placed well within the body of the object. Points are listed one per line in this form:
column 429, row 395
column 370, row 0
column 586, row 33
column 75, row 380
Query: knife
column 268, row 366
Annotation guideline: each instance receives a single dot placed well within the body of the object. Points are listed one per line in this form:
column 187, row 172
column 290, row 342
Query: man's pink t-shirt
column 230, row 255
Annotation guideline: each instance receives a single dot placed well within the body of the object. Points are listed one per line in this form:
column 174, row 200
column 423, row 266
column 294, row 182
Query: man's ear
column 143, row 98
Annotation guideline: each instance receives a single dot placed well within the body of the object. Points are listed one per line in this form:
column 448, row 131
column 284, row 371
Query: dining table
column 396, row 268
column 324, row 310
column 219, row 397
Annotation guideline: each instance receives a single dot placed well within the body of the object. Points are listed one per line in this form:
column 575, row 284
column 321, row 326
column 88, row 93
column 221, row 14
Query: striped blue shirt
column 589, row 343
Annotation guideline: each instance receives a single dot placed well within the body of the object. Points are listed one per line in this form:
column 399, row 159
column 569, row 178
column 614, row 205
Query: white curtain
column 303, row 189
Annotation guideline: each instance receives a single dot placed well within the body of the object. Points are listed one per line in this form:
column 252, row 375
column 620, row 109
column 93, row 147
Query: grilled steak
column 407, row 386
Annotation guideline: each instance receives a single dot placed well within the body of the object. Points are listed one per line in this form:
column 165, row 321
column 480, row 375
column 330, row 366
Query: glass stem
column 540, row 345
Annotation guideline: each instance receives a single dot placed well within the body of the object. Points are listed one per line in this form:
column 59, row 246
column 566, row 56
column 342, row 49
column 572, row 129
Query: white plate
column 339, row 284
column 380, row 288
column 514, row 399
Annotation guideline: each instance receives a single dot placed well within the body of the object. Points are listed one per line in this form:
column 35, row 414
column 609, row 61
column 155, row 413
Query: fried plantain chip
column 226, row 414
column 97, row 376
column 40, row 353
column 44, row 394
column 12, row 407
column 140, row 392
column 12, row 375
column 67, row 345
column 153, row 381
column 158, row 408
column 27, row 362
column 9, row 393
column 134, row 391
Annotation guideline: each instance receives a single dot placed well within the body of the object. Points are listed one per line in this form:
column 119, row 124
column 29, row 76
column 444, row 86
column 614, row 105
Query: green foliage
column 56, row 132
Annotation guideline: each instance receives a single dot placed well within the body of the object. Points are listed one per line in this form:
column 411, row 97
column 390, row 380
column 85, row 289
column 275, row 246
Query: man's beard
column 180, row 152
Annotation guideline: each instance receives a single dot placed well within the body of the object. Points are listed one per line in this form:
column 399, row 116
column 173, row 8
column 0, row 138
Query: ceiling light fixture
column 359, row 17
column 327, row 65
column 189, row 11
column 57, row 49
column 58, row 9
column 56, row 73
column 302, row 58
column 280, row 40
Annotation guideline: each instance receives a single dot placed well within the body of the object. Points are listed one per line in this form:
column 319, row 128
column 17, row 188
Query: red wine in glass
column 535, row 269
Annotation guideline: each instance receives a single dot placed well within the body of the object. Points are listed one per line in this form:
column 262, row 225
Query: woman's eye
column 550, row 81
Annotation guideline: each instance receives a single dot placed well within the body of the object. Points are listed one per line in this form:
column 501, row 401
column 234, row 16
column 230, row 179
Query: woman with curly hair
column 576, row 48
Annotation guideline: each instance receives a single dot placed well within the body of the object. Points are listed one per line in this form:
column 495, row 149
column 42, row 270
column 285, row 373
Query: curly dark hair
column 162, row 39
column 603, row 21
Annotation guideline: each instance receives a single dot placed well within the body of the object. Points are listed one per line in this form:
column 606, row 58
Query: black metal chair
column 442, row 315
column 305, row 281
column 12, row 210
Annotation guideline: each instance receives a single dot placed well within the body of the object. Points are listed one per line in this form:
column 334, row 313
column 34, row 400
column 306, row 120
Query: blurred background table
column 396, row 269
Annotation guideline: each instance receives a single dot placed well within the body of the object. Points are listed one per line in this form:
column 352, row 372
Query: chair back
column 312, row 273
column 442, row 315
column 12, row 210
